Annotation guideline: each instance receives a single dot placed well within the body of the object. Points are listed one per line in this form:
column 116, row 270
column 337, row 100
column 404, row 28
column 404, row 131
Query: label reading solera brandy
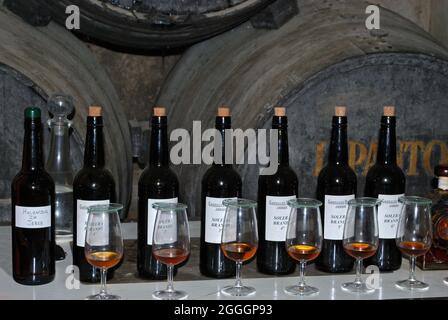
column 388, row 215
column 152, row 214
column 334, row 217
column 277, row 216
column 214, row 217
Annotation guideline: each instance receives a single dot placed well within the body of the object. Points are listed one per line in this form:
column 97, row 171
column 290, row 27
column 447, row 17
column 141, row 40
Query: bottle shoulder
column 150, row 173
column 33, row 178
column 221, row 175
column 385, row 175
column 283, row 175
column 337, row 172
column 93, row 174
column 93, row 179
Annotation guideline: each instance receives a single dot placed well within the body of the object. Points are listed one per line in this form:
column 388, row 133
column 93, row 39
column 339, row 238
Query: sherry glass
column 360, row 239
column 303, row 239
column 171, row 243
column 414, row 236
column 104, row 243
column 239, row 240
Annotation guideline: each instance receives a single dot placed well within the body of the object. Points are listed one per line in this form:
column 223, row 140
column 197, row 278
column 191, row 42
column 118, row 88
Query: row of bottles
column 33, row 200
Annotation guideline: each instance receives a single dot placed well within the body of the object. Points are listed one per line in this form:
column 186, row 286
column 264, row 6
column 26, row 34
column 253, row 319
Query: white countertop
column 267, row 288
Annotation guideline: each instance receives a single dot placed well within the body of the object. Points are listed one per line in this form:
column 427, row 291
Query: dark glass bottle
column 386, row 181
column 439, row 213
column 158, row 183
column 33, row 219
column 92, row 185
column 219, row 182
column 336, row 185
column 273, row 211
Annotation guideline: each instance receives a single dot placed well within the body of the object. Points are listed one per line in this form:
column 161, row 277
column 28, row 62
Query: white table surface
column 267, row 288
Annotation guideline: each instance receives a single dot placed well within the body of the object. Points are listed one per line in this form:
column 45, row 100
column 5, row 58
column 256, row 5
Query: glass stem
column 238, row 282
column 358, row 278
column 302, row 266
column 103, row 290
column 170, row 287
column 412, row 269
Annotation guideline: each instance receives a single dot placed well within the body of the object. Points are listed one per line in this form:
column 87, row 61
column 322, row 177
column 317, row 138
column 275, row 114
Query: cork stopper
column 95, row 111
column 223, row 111
column 159, row 111
column 389, row 111
column 340, row 111
column 280, row 111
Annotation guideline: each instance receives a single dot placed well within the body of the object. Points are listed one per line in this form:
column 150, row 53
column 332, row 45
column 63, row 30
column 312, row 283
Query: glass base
column 414, row 285
column 301, row 290
column 357, row 287
column 103, row 297
column 445, row 281
column 170, row 295
column 242, row 291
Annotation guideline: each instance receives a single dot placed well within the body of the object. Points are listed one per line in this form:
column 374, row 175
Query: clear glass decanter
column 58, row 163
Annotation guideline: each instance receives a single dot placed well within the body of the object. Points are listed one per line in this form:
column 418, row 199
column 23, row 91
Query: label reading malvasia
column 81, row 218
column 33, row 217
column 214, row 217
column 277, row 216
column 388, row 215
column 335, row 213
column 152, row 214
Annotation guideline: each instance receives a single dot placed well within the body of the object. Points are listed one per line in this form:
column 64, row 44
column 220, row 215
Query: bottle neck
column 338, row 144
column 387, row 143
column 281, row 124
column 221, row 124
column 94, row 150
column 32, row 158
column 158, row 148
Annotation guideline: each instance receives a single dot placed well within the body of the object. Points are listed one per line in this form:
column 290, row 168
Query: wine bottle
column 437, row 257
column 93, row 185
column 33, row 211
column 336, row 185
column 158, row 183
column 274, row 191
column 219, row 182
column 386, row 181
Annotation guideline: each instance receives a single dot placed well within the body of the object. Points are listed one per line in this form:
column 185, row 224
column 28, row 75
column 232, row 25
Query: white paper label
column 388, row 215
column 98, row 231
column 152, row 214
column 214, row 217
column 443, row 183
column 82, row 215
column 277, row 216
column 335, row 213
column 33, row 217
column 166, row 230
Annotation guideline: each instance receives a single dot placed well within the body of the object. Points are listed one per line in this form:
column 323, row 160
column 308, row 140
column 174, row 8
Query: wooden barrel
column 37, row 62
column 154, row 24
column 323, row 57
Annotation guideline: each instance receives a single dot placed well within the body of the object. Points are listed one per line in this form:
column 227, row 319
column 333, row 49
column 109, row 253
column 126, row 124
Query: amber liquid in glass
column 104, row 259
column 303, row 252
column 360, row 250
column 171, row 256
column 239, row 251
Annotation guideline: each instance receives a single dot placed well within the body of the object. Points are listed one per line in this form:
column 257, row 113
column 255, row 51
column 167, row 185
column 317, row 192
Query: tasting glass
column 414, row 236
column 360, row 239
column 104, row 243
column 239, row 241
column 171, row 244
column 303, row 239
